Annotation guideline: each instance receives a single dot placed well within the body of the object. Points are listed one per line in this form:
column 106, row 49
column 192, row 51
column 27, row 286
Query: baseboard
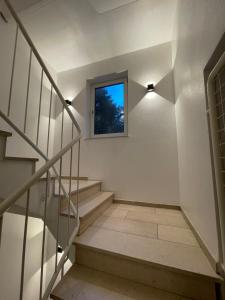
column 139, row 203
column 211, row 259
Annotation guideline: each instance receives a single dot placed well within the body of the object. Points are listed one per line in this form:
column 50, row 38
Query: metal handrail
column 25, row 188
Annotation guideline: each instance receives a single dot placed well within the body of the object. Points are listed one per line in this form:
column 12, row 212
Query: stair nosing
column 80, row 189
column 217, row 278
column 21, row 158
column 5, row 133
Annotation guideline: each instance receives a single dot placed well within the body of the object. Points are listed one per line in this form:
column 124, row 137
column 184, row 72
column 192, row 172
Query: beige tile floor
column 158, row 223
column 151, row 234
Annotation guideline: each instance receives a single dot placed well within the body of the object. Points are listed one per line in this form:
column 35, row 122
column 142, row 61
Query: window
column 109, row 108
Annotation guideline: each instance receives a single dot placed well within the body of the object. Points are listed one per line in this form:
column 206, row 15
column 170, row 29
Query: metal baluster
column 13, row 70
column 24, row 245
column 59, row 200
column 70, row 187
column 49, row 120
column 28, row 90
column 44, row 234
column 39, row 111
column 78, row 179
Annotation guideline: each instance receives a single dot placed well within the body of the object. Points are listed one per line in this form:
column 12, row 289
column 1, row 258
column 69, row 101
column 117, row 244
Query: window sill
column 105, row 137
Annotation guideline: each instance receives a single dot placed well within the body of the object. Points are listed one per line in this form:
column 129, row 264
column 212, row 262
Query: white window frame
column 105, row 84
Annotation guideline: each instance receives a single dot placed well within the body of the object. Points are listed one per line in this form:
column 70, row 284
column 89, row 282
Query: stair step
column 5, row 133
column 83, row 185
column 89, row 205
column 87, row 188
column 91, row 208
column 120, row 250
column 16, row 158
column 85, row 283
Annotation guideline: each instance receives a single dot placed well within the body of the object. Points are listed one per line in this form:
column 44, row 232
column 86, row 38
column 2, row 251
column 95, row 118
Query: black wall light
column 150, row 87
column 68, row 102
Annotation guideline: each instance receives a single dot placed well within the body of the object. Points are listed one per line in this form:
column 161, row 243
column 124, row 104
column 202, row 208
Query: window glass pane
column 109, row 109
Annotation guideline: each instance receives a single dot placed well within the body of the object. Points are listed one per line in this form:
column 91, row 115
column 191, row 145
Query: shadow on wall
column 164, row 88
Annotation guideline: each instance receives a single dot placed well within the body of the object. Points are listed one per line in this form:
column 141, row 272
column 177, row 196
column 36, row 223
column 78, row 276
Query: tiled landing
column 159, row 236
column 82, row 283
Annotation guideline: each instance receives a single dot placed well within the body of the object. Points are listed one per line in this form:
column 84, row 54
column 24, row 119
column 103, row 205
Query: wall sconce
column 68, row 102
column 150, row 87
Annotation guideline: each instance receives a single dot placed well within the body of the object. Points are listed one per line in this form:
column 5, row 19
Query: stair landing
column 153, row 246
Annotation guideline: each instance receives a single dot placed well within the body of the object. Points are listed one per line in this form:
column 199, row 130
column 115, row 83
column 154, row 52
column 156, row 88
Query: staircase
column 121, row 251
column 136, row 252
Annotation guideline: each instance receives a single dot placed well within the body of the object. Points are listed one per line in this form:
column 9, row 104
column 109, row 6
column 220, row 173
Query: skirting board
column 211, row 259
column 121, row 201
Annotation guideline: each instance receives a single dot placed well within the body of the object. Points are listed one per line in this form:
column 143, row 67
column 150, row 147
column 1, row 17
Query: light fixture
column 60, row 249
column 68, row 102
column 150, row 87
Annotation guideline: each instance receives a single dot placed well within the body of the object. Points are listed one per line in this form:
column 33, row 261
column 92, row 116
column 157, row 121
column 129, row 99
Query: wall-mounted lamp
column 68, row 102
column 150, row 87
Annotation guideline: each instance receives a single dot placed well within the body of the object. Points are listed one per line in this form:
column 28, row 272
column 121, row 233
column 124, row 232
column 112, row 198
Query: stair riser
column 13, row 175
column 194, row 287
column 90, row 218
column 86, row 193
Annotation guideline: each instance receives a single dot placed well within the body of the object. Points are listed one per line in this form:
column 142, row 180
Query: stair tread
column 91, row 203
column 85, row 283
column 88, row 205
column 5, row 133
column 83, row 185
column 16, row 158
column 160, row 253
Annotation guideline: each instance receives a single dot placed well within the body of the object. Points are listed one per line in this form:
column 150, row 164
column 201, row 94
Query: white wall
column 200, row 25
column 143, row 166
column 16, row 146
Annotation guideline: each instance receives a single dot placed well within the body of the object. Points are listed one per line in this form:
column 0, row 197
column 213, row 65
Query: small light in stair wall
column 60, row 249
column 68, row 102
column 150, row 87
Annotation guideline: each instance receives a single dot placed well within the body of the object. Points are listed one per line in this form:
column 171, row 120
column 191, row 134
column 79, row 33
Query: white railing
column 49, row 162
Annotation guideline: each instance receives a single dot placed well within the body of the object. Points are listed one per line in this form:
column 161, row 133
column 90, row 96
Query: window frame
column 102, row 84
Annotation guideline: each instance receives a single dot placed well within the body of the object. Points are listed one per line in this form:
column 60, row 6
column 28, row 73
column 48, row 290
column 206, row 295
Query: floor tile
column 127, row 226
column 136, row 208
column 115, row 212
column 167, row 211
column 177, row 235
column 163, row 219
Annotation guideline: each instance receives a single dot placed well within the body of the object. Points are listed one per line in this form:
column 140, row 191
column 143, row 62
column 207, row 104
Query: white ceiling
column 72, row 33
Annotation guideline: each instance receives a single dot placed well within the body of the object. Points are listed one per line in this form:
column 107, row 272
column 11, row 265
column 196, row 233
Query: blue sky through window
column 116, row 92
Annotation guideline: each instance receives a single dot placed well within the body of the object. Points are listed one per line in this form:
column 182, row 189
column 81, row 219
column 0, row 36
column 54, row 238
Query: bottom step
column 82, row 283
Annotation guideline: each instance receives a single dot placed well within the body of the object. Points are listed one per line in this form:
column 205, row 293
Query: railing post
column 78, row 180
column 49, row 120
column 24, row 245
column 13, row 70
column 28, row 90
column 44, row 234
column 39, row 109
column 59, row 199
column 1, row 226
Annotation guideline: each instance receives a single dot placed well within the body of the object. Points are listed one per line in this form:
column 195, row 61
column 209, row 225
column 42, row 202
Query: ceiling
column 73, row 33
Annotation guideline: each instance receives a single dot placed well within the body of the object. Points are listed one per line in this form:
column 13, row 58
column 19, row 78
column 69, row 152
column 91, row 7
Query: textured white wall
column 143, row 166
column 199, row 27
